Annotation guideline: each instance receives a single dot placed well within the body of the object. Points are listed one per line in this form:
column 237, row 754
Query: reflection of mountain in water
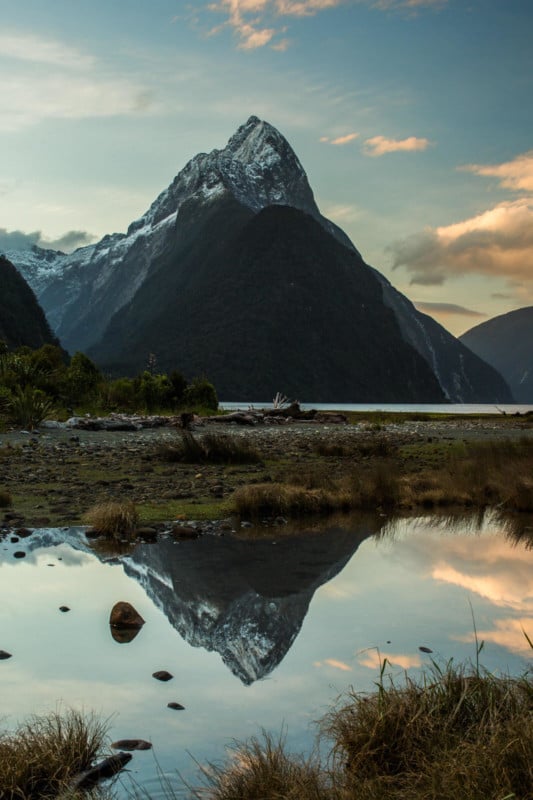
column 246, row 599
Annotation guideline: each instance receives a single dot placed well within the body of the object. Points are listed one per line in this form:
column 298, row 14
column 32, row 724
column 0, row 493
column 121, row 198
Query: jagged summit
column 258, row 167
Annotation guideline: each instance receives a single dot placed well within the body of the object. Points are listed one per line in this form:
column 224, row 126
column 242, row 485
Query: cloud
column 380, row 145
column 340, row 140
column 18, row 240
column 28, row 47
column 71, row 86
column 247, row 18
column 447, row 309
column 497, row 243
column 343, row 213
column 404, row 5
column 516, row 174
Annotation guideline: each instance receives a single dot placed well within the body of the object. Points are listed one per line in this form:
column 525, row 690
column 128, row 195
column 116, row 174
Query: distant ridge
column 506, row 342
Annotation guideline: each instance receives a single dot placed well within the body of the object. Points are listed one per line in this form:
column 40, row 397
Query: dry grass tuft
column 112, row 519
column 210, row 449
column 459, row 733
column 263, row 771
column 273, row 499
column 41, row 757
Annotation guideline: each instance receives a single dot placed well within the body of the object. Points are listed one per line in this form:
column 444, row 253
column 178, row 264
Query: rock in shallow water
column 124, row 615
column 162, row 675
column 132, row 744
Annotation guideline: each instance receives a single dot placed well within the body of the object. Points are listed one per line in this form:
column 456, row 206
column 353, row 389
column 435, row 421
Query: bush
column 28, row 407
column 114, row 520
column 200, row 393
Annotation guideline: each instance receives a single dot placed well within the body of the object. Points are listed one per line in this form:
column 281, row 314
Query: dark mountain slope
column 269, row 303
column 506, row 342
column 22, row 320
column 463, row 375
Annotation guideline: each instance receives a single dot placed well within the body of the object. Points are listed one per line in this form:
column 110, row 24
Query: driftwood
column 238, row 418
column 105, row 769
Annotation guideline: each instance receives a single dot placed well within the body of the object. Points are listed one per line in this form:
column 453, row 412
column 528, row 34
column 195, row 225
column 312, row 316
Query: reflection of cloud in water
column 333, row 662
column 489, row 565
column 508, row 633
column 373, row 659
column 500, row 589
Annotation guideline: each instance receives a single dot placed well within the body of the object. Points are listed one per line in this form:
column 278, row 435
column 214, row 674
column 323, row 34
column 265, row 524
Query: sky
column 412, row 118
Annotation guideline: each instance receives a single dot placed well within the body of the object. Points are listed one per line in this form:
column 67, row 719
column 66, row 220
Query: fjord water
column 260, row 630
column 404, row 408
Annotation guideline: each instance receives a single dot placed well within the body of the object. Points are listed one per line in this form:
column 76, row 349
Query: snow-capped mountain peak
column 258, row 167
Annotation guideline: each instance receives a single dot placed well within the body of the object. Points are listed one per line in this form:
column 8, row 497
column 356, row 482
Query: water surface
column 259, row 633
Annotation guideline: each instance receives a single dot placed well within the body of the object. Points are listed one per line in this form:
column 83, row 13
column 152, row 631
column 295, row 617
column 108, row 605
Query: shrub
column 28, row 407
column 200, row 393
column 112, row 519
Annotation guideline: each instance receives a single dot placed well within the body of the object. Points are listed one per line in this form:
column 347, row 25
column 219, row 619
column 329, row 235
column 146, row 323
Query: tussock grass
column 477, row 475
column 42, row 756
column 272, row 499
column 456, row 733
column 6, row 498
column 263, row 771
column 315, row 492
column 112, row 519
column 210, row 449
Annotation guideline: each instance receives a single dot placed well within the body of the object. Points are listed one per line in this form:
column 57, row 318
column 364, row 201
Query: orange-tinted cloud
column 516, row 174
column 340, row 140
column 496, row 243
column 251, row 30
column 380, row 145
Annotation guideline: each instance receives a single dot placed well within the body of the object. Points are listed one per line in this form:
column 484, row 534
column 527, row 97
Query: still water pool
column 259, row 632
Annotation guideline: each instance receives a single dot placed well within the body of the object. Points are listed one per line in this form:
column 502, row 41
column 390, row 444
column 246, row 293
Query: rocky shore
column 56, row 473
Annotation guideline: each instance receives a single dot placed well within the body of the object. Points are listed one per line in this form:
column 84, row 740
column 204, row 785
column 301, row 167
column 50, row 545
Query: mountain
column 233, row 272
column 22, row 320
column 506, row 342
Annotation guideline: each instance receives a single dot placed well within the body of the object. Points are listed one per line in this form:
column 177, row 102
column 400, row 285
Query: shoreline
column 56, row 475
